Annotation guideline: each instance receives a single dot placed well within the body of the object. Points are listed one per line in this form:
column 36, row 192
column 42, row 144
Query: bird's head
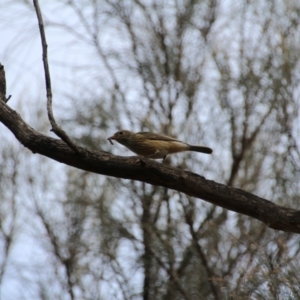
column 121, row 136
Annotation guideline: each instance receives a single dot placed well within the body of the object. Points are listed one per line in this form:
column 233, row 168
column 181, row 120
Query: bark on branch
column 151, row 172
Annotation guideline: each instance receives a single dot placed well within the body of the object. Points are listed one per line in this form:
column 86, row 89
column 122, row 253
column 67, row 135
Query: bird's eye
column 121, row 132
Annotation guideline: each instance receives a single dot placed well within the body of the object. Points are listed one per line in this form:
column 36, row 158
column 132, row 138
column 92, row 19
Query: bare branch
column 55, row 128
column 3, row 83
column 152, row 172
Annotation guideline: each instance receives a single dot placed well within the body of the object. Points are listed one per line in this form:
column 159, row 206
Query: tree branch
column 55, row 128
column 151, row 172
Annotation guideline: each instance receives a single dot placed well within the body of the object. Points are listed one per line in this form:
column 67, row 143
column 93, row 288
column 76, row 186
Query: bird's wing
column 155, row 136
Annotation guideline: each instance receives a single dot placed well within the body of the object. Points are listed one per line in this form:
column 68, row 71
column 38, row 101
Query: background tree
column 220, row 74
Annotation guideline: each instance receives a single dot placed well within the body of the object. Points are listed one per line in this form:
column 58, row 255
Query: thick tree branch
column 151, row 172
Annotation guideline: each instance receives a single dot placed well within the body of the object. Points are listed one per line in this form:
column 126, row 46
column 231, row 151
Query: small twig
column 2, row 82
column 8, row 98
column 3, row 85
column 55, row 128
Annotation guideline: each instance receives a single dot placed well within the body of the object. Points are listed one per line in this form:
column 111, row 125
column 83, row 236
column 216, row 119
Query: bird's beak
column 111, row 138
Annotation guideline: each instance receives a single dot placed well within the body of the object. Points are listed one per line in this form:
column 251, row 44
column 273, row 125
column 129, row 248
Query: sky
column 21, row 55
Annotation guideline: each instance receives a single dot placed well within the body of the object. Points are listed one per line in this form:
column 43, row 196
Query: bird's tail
column 201, row 149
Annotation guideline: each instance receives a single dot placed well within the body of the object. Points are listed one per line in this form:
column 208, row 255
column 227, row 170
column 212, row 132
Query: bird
column 153, row 145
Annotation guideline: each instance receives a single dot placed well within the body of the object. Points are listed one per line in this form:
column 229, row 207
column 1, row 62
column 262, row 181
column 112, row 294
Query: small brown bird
column 154, row 145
